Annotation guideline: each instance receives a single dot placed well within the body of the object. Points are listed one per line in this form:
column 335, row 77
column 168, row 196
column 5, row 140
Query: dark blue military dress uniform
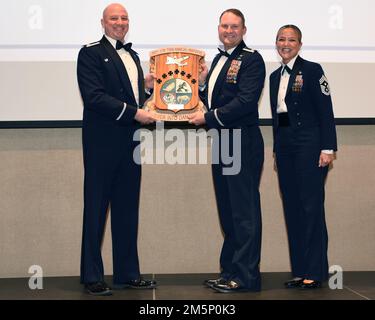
column 111, row 176
column 299, row 137
column 234, row 105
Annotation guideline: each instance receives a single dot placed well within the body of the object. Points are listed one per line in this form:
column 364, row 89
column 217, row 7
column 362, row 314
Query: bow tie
column 120, row 45
column 223, row 53
column 287, row 69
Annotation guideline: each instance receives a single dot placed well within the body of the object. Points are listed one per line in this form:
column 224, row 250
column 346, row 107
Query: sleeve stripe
column 217, row 118
column 123, row 110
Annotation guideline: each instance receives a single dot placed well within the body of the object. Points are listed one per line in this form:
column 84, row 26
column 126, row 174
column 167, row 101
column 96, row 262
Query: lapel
column 213, row 65
column 119, row 66
column 275, row 84
column 221, row 77
column 295, row 70
column 141, row 83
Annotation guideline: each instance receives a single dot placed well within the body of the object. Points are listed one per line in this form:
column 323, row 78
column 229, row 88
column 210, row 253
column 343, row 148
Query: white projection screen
column 40, row 40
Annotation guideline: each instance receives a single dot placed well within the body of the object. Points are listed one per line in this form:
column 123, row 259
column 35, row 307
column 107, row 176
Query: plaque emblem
column 176, row 91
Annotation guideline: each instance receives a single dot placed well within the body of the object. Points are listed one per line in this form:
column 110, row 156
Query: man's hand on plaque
column 197, row 118
column 144, row 117
column 149, row 80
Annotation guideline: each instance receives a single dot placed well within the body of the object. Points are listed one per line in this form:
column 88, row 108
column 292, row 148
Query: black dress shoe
column 99, row 288
column 210, row 282
column 311, row 285
column 136, row 284
column 293, row 283
column 229, row 287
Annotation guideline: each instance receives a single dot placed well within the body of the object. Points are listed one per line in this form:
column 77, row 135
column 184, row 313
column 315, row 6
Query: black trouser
column 302, row 187
column 239, row 208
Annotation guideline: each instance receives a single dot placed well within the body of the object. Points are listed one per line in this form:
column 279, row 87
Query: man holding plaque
column 231, row 90
column 113, row 88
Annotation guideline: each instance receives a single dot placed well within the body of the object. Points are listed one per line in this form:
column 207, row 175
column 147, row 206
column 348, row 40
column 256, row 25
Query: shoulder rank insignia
column 92, row 44
column 248, row 50
column 324, row 86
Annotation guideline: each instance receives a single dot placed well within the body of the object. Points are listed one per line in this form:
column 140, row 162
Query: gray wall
column 41, row 208
column 49, row 90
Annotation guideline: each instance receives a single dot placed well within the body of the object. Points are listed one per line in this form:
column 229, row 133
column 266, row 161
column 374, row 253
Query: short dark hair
column 236, row 12
column 291, row 26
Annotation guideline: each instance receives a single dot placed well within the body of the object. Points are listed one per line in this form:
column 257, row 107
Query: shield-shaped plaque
column 176, row 89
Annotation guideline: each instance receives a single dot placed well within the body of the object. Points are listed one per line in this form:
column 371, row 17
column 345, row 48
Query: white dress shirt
column 215, row 73
column 284, row 80
column 131, row 69
column 213, row 78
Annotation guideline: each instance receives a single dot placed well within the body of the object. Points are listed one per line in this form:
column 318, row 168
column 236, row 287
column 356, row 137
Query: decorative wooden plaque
column 176, row 90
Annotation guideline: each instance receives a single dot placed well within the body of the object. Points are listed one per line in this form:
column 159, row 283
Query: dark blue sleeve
column 322, row 101
column 93, row 88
